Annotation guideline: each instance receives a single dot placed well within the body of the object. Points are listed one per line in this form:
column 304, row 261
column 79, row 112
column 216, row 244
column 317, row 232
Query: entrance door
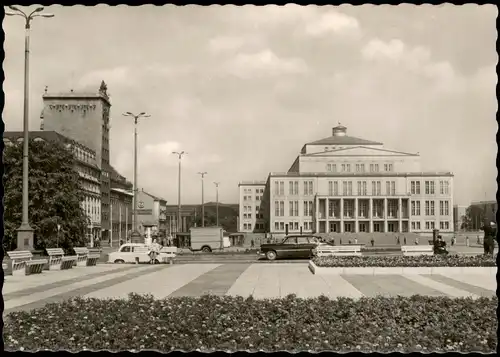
column 348, row 227
column 334, row 227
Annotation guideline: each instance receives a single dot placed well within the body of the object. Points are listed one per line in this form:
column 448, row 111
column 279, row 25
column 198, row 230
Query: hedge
column 209, row 323
column 406, row 261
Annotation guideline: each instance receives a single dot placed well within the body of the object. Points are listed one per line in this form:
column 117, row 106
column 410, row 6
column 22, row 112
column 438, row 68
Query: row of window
column 258, row 226
column 430, row 225
column 82, row 154
column 293, row 226
column 279, row 208
column 444, row 208
column 359, row 168
column 90, row 187
column 249, row 216
column 249, row 198
column 92, row 208
column 279, row 188
column 257, row 190
column 249, row 209
column 444, row 187
column 362, row 188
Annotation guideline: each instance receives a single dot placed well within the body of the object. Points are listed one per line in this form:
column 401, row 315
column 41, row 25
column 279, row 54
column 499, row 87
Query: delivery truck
column 208, row 239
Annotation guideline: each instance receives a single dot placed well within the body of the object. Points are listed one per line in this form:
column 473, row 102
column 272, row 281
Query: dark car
column 299, row 246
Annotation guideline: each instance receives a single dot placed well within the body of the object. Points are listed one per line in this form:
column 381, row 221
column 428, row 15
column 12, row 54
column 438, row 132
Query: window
column 282, row 188
column 413, row 209
column 257, row 209
column 362, row 167
column 329, row 167
column 290, row 240
column 302, row 240
column 330, row 188
column 294, row 208
column 308, row 188
column 376, row 168
column 344, row 188
column 444, row 187
column 372, row 169
column 415, row 225
column 277, row 226
column 376, row 188
column 348, row 167
column 126, row 249
column 441, row 208
column 415, row 188
column 427, row 208
column 279, row 208
column 429, row 188
column 343, row 167
column 334, row 167
column 308, row 208
column 358, row 168
column 432, row 208
column 348, row 208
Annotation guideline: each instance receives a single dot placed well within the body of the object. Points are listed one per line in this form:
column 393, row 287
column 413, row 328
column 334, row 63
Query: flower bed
column 404, row 261
column 209, row 323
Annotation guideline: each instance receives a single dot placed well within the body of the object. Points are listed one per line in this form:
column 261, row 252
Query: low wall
column 400, row 270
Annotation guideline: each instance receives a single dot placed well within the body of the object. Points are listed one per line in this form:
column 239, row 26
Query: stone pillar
column 341, row 215
column 385, row 215
column 356, row 223
column 370, row 214
column 400, row 215
column 327, row 215
column 316, row 213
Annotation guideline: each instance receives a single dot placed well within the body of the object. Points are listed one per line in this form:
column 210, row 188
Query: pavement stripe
column 246, row 283
column 389, row 285
column 268, row 284
column 471, row 289
column 445, row 288
column 160, row 284
column 298, row 280
column 77, row 289
column 27, row 288
column 216, row 281
column 340, row 287
column 488, row 282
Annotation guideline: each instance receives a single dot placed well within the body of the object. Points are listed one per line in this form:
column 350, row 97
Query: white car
column 131, row 252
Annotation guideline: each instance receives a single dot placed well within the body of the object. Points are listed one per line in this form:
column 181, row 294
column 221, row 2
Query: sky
column 242, row 89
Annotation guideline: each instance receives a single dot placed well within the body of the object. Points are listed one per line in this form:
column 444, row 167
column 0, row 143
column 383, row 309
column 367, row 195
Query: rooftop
column 339, row 137
column 358, row 174
column 252, row 183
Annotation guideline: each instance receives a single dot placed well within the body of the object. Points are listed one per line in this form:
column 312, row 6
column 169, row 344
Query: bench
column 85, row 257
column 324, row 250
column 413, row 250
column 57, row 260
column 24, row 264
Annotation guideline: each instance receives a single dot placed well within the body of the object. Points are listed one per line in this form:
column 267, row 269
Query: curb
column 491, row 271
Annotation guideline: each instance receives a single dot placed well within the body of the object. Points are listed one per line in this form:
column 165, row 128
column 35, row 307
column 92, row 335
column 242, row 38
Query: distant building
column 151, row 214
column 251, row 216
column 459, row 212
column 85, row 118
column 346, row 184
column 121, row 207
column 188, row 218
column 483, row 212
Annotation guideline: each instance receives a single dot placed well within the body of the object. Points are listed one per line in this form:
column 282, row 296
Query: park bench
column 85, row 257
column 24, row 264
column 413, row 250
column 324, row 250
column 58, row 261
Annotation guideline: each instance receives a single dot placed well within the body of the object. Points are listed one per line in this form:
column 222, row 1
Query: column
column 409, row 214
column 385, row 215
column 341, row 215
column 400, row 215
column 316, row 214
column 356, row 223
column 327, row 214
column 370, row 214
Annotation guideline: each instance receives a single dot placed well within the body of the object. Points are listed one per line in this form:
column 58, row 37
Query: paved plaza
column 259, row 280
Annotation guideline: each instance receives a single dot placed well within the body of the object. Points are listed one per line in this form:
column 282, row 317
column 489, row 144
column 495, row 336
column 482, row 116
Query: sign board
column 145, row 212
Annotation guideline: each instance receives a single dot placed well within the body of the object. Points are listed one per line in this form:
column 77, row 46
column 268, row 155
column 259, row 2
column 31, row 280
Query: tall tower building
column 84, row 117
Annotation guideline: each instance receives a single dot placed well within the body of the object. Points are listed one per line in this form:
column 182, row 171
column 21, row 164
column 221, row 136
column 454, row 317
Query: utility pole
column 25, row 232
column 135, row 233
column 217, row 201
column 179, row 225
column 202, row 199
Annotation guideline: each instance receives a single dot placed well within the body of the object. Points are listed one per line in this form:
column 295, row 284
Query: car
column 293, row 246
column 128, row 252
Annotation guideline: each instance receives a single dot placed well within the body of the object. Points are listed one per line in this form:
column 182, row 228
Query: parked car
column 293, row 246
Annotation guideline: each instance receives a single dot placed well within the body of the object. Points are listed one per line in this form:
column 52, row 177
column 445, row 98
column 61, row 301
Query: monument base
column 136, row 237
column 25, row 238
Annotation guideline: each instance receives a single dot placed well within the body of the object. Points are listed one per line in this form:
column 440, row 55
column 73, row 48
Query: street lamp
column 217, row 201
column 25, row 232
column 58, row 231
column 179, row 154
column 136, row 117
column 202, row 199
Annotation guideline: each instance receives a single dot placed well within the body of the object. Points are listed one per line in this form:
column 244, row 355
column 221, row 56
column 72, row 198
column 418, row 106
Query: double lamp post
column 25, row 232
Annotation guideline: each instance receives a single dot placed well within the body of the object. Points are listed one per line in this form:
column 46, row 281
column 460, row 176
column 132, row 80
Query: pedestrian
column 340, row 241
column 416, row 240
column 452, row 241
column 404, row 240
column 478, row 240
column 333, row 241
column 121, row 242
column 350, row 241
column 372, row 241
column 355, row 240
column 252, row 243
column 466, row 241
column 398, row 241
column 154, row 250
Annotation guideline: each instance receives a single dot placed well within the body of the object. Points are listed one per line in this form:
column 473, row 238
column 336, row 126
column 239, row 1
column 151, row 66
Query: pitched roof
column 343, row 140
column 156, row 198
column 330, row 152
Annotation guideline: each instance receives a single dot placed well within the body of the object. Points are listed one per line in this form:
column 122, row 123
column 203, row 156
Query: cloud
column 265, row 62
column 222, row 44
column 332, row 22
column 116, row 77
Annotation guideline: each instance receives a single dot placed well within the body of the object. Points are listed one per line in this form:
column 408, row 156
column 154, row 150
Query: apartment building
column 346, row 184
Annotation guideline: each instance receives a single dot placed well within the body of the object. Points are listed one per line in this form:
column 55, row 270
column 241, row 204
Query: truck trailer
column 208, row 239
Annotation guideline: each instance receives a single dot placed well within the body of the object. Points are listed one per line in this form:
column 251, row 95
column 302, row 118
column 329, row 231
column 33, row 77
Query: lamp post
column 25, row 232
column 217, row 201
column 135, row 234
column 202, row 199
column 179, row 226
column 58, row 231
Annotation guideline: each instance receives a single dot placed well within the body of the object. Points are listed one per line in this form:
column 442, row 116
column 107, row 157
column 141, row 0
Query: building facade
column 251, row 213
column 151, row 215
column 483, row 212
column 87, row 168
column 346, row 184
column 121, row 195
column 459, row 213
column 85, row 118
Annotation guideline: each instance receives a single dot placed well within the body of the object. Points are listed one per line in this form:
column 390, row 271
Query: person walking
column 404, row 240
column 416, row 240
column 252, row 243
column 372, row 241
column 154, row 251
column 355, row 240
column 398, row 240
column 467, row 241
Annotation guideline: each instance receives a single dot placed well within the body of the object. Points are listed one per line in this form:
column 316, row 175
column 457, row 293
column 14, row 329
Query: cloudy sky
column 241, row 89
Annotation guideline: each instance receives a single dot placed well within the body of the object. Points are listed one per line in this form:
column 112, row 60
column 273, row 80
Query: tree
column 54, row 196
column 474, row 217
